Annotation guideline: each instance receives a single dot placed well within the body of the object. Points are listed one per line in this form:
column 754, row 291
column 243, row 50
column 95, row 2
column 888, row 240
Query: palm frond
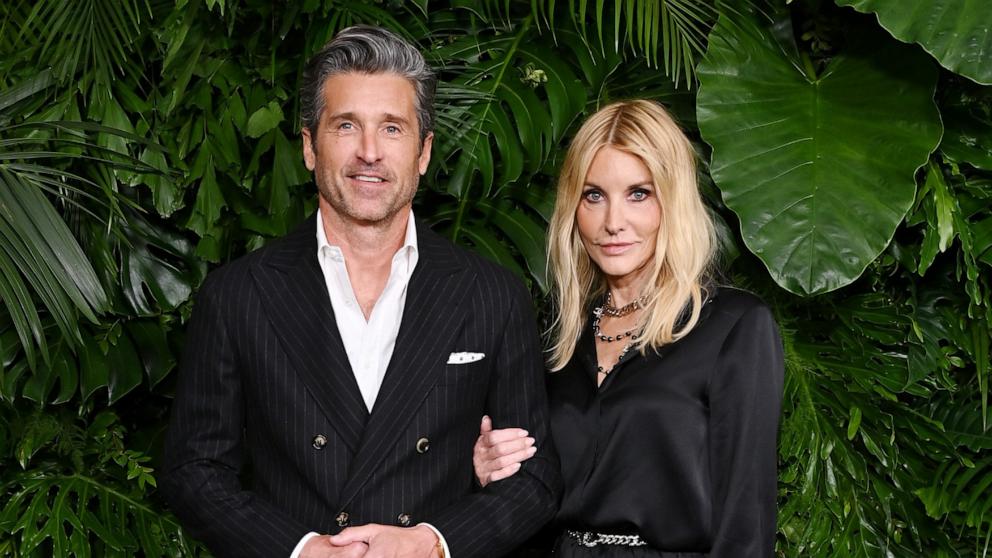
column 666, row 33
column 39, row 254
column 91, row 38
column 508, row 103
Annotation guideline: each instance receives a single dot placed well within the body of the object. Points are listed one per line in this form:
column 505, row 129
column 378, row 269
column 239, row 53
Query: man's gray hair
column 367, row 50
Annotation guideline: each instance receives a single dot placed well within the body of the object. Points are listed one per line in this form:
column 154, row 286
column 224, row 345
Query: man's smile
column 367, row 178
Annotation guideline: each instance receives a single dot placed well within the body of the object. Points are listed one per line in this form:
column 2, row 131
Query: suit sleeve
column 204, row 446
column 745, row 403
column 496, row 519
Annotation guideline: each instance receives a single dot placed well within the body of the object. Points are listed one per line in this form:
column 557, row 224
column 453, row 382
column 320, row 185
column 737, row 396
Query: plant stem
column 808, row 65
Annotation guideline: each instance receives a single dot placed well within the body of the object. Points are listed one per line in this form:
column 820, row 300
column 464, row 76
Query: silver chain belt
column 590, row 540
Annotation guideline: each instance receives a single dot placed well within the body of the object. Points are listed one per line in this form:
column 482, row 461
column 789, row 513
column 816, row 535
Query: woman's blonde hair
column 685, row 240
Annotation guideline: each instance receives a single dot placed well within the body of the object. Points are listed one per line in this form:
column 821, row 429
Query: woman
column 665, row 390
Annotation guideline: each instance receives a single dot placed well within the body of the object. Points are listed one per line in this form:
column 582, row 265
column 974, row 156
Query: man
column 343, row 368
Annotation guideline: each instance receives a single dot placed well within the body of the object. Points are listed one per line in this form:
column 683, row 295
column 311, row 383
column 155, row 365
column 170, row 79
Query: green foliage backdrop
column 846, row 153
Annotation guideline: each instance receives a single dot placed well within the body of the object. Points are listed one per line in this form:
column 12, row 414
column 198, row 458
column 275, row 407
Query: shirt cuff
column 302, row 543
column 440, row 537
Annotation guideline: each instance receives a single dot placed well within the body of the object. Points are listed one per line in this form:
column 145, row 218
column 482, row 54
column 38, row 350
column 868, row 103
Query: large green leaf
column 820, row 169
column 158, row 268
column 150, row 339
column 958, row 33
column 264, row 119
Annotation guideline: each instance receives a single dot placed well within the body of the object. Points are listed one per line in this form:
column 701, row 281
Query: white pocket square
column 465, row 358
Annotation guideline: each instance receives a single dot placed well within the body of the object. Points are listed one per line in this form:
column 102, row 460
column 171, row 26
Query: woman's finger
column 513, row 458
column 507, row 448
column 503, row 435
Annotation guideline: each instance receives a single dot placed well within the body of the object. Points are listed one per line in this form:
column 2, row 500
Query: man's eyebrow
column 390, row 117
column 342, row 116
column 387, row 117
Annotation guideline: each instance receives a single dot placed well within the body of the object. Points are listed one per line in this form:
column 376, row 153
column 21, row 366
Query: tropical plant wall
column 845, row 150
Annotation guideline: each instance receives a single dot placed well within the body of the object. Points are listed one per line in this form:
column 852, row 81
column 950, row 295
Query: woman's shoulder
column 733, row 303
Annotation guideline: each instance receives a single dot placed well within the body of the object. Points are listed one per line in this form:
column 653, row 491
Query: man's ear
column 309, row 153
column 425, row 153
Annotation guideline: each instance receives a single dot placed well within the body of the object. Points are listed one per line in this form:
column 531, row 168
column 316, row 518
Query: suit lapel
column 431, row 323
column 299, row 308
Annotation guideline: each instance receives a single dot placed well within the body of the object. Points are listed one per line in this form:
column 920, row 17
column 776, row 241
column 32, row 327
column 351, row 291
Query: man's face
column 366, row 153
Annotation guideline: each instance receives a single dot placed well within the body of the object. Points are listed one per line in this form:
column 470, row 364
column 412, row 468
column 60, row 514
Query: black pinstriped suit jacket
column 264, row 372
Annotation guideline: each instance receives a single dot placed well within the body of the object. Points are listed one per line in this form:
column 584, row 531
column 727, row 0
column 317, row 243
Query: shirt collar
column 409, row 247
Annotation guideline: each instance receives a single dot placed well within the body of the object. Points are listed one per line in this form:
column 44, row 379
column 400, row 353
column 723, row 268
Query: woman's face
column 619, row 215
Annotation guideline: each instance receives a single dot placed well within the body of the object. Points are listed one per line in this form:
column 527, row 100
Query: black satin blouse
column 678, row 446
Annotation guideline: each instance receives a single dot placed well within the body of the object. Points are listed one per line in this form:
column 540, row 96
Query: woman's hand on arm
column 498, row 453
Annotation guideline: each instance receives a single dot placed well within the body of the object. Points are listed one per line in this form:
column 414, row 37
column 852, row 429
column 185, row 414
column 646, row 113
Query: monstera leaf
column 958, row 33
column 819, row 168
column 158, row 268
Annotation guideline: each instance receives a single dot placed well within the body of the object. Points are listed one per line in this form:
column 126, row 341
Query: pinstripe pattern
column 264, row 371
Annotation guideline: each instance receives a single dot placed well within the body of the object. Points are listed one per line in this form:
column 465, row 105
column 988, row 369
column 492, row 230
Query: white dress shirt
column 368, row 343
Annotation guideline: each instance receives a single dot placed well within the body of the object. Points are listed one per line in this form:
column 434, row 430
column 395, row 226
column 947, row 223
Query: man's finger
column 362, row 533
column 354, row 550
column 487, row 425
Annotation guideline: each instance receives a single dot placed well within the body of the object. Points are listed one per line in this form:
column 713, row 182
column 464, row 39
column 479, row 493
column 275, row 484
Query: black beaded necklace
column 611, row 338
column 609, row 310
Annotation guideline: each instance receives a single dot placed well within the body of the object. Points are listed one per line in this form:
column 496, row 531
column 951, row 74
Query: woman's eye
column 593, row 195
column 640, row 194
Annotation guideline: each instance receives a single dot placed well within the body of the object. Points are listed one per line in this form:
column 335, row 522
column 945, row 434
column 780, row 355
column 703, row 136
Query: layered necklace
column 608, row 309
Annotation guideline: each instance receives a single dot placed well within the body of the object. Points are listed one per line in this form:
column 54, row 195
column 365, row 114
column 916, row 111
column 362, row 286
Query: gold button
column 423, row 445
column 319, row 441
column 404, row 519
column 342, row 519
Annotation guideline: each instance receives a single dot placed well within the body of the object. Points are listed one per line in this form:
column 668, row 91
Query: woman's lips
column 615, row 248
